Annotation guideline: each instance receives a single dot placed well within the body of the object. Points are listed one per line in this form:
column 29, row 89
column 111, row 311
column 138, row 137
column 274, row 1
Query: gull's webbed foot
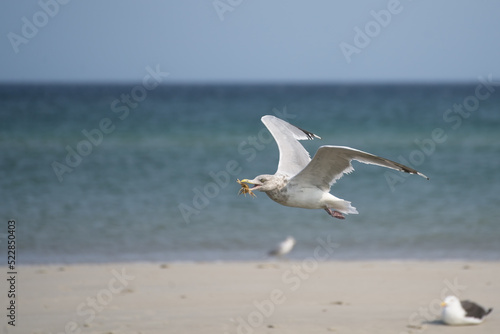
column 334, row 213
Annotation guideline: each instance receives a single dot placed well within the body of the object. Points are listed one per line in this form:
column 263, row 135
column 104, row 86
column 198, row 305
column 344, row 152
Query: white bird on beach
column 304, row 183
column 457, row 312
column 284, row 247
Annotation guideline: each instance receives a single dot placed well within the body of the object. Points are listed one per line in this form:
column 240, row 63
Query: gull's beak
column 256, row 183
column 443, row 304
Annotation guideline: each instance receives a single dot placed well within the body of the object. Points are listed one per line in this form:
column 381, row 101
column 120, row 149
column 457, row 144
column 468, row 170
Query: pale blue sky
column 257, row 40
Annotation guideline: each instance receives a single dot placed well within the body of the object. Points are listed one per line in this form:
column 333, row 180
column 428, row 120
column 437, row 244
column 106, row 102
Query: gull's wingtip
column 422, row 175
column 414, row 172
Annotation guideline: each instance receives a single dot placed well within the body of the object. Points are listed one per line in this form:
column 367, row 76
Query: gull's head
column 263, row 182
column 451, row 302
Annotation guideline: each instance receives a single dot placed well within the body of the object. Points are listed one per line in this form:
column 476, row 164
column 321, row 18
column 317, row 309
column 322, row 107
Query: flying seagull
column 284, row 247
column 457, row 312
column 304, row 183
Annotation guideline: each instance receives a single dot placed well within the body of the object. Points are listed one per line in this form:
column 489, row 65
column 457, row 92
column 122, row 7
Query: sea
column 95, row 173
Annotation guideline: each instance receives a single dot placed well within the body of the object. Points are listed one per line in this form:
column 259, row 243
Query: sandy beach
column 249, row 297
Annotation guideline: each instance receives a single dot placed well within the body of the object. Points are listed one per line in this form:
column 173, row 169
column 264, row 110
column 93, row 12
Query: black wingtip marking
column 412, row 171
column 310, row 135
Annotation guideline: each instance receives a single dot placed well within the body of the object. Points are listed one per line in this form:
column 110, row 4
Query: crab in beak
column 245, row 189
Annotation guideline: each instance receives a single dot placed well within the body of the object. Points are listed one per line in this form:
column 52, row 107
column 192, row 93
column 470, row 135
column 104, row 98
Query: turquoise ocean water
column 91, row 175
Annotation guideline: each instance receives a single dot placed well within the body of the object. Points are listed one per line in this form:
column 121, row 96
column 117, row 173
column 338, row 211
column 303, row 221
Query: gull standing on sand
column 284, row 247
column 304, row 183
column 457, row 312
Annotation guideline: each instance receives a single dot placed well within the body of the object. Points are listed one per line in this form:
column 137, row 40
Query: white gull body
column 284, row 247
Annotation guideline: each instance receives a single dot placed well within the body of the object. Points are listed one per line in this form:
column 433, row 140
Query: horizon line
column 243, row 82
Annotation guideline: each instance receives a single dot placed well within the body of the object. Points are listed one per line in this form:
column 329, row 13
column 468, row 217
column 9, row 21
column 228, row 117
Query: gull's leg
column 334, row 213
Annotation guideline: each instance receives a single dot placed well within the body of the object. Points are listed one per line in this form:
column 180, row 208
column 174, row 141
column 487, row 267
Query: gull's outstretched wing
column 293, row 156
column 331, row 162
